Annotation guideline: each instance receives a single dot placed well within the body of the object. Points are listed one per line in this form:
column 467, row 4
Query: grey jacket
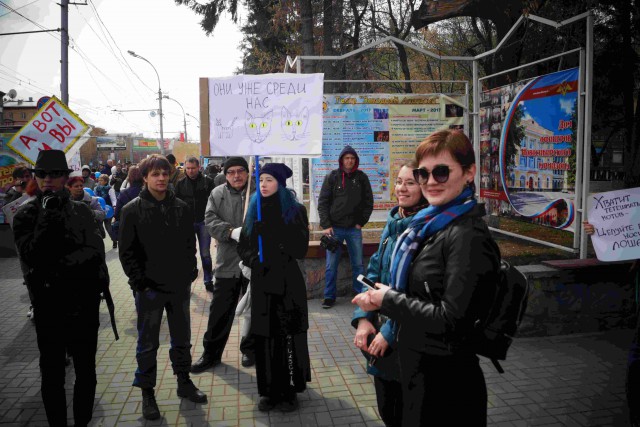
column 224, row 213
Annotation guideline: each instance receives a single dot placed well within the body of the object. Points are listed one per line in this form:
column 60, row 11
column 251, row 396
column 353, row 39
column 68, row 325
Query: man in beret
column 223, row 219
column 59, row 242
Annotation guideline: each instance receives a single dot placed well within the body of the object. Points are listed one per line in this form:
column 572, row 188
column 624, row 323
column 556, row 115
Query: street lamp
column 135, row 55
column 194, row 117
column 184, row 117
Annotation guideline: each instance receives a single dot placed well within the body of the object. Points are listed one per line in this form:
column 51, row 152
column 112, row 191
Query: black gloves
column 51, row 201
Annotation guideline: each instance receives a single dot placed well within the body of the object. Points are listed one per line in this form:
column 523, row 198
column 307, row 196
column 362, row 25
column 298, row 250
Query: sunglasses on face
column 440, row 174
column 53, row 174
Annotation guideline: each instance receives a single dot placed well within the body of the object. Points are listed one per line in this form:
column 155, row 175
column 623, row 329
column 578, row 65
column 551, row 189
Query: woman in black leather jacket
column 447, row 263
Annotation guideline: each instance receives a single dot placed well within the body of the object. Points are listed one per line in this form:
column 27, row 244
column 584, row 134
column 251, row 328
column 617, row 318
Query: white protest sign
column 616, row 218
column 268, row 114
column 10, row 209
column 53, row 127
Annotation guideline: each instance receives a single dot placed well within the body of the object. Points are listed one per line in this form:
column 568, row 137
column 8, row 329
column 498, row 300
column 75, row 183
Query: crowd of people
column 435, row 274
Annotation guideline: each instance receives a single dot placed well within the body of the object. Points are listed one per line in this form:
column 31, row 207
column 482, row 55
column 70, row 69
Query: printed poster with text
column 528, row 133
column 384, row 130
column 615, row 215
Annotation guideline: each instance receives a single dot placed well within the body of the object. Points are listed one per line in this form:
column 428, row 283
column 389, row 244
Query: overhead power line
column 12, row 11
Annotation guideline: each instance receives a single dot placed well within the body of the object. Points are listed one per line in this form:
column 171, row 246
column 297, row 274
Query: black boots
column 150, row 409
column 205, row 362
column 187, row 389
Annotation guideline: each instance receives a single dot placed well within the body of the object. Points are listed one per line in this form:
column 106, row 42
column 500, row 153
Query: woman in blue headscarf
column 444, row 272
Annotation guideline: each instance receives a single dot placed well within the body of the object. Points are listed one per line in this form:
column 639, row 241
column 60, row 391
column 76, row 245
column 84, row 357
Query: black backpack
column 495, row 335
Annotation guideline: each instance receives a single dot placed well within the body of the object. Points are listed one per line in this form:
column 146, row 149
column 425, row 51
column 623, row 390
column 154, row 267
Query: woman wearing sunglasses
column 444, row 271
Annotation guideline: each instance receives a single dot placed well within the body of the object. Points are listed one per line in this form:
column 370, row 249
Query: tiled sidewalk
column 575, row 380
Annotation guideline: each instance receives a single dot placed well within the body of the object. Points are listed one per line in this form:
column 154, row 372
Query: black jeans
column 389, row 396
column 150, row 305
column 61, row 326
column 442, row 390
column 226, row 292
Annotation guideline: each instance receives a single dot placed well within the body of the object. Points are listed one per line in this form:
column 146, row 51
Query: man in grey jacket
column 223, row 219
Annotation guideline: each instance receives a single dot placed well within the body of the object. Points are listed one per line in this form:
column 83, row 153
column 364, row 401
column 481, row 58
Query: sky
column 102, row 76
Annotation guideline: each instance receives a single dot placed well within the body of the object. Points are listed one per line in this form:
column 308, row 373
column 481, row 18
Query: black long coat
column 278, row 289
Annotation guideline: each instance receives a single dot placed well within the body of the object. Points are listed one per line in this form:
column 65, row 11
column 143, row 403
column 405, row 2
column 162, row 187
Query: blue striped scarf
column 425, row 224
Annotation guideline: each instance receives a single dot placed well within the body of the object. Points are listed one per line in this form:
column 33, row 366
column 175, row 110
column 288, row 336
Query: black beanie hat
column 279, row 171
column 235, row 161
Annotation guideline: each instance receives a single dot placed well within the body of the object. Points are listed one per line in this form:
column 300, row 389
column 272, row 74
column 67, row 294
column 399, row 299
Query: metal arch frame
column 585, row 99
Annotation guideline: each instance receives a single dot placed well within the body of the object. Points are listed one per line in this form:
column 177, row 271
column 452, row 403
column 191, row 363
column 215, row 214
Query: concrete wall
column 561, row 301
column 580, row 300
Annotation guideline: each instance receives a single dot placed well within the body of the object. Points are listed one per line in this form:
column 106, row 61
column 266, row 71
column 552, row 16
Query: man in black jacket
column 344, row 206
column 194, row 190
column 60, row 245
column 160, row 278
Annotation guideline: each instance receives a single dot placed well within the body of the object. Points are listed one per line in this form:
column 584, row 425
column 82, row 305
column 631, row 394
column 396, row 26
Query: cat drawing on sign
column 258, row 127
column 225, row 131
column 294, row 123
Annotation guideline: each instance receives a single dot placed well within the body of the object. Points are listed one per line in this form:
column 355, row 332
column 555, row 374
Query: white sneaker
column 30, row 313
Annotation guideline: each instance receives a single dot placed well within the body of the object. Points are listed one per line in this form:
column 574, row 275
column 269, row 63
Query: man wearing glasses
column 59, row 243
column 223, row 219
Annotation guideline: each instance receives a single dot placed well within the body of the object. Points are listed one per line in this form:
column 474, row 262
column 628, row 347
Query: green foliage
column 515, row 135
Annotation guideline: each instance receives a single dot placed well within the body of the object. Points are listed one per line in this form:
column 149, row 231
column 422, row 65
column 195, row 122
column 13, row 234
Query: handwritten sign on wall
column 53, row 127
column 267, row 114
column 616, row 218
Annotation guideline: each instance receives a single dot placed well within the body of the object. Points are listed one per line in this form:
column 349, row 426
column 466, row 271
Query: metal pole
column 586, row 163
column 184, row 116
column 580, row 145
column 476, row 124
column 64, row 51
column 159, row 97
column 160, row 108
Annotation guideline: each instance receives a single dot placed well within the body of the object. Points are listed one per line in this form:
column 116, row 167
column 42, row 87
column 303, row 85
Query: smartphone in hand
column 368, row 283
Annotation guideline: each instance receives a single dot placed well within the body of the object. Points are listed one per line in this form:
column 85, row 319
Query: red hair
column 73, row 180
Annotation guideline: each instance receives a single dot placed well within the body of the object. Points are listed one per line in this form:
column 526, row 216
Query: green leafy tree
column 515, row 135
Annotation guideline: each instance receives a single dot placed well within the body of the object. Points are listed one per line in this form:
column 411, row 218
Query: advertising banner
column 111, row 143
column 528, row 134
column 142, row 144
column 268, row 114
column 8, row 161
column 385, row 131
column 53, row 127
column 615, row 216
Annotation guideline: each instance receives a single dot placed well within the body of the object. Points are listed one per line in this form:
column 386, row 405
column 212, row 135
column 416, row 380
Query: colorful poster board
column 111, row 142
column 269, row 114
column 385, row 131
column 615, row 216
column 142, row 144
column 53, row 127
column 528, row 133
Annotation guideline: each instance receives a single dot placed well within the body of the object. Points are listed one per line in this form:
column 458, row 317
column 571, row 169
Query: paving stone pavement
column 574, row 380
